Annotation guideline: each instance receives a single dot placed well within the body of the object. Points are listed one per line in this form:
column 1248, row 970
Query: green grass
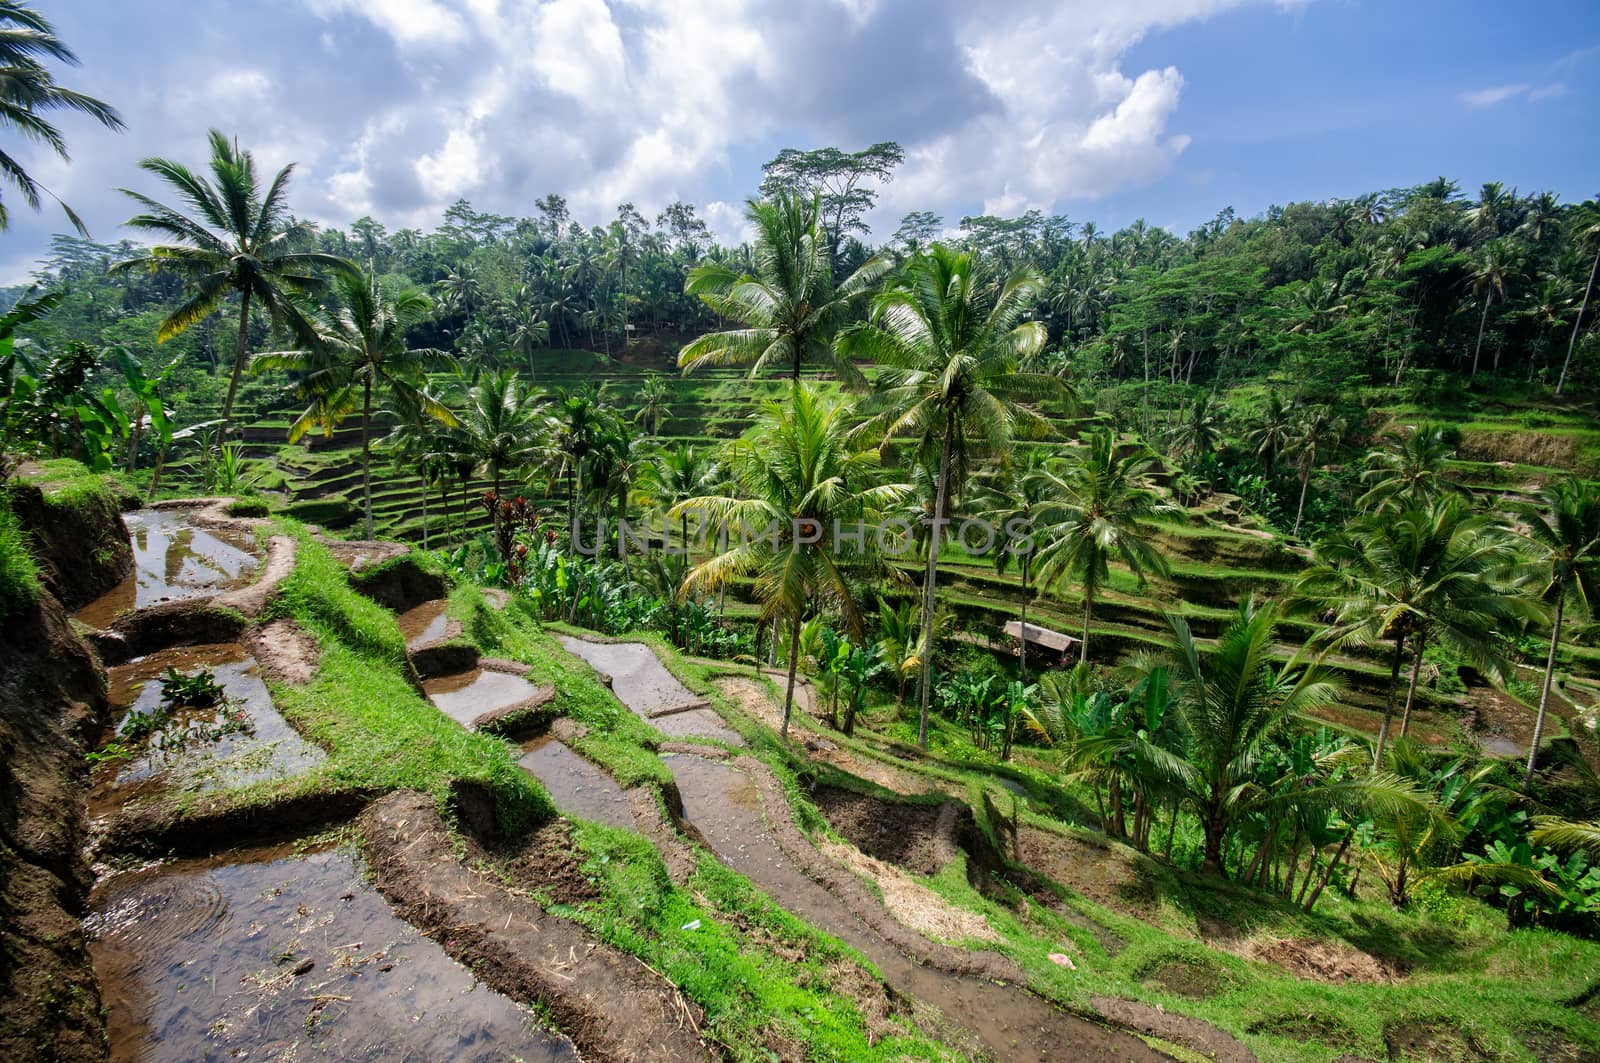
column 379, row 731
column 19, row 573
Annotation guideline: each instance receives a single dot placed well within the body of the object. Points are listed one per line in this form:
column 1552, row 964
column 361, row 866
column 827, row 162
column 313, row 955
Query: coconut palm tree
column 1011, row 500
column 580, row 421
column 1232, row 700
column 416, row 441
column 502, row 423
column 797, row 486
column 1588, row 231
column 1564, row 531
column 30, row 93
column 1434, row 573
column 790, row 307
column 1315, row 434
column 677, row 475
column 1411, row 469
column 1096, row 508
column 1199, row 432
column 1489, row 276
column 1273, row 432
column 240, row 239
column 528, row 332
column 357, row 353
column 949, row 340
column 654, row 399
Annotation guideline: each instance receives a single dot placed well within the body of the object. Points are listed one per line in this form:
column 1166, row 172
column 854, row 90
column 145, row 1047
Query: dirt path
column 729, row 808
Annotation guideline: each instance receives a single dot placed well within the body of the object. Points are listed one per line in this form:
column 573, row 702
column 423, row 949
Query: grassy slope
column 1465, row 969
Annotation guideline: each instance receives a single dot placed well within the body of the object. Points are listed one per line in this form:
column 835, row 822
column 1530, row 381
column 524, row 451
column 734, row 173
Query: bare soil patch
column 1552, row 1045
column 546, row 860
column 1308, row 1027
column 895, row 832
column 1101, row 872
column 1432, row 1040
column 1195, row 1034
column 285, row 653
column 1186, row 976
column 1324, row 961
column 910, row 901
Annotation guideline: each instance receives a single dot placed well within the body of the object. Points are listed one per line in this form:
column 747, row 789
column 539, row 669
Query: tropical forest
column 856, row 624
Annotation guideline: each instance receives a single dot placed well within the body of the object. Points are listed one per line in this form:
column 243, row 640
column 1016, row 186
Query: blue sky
column 1163, row 109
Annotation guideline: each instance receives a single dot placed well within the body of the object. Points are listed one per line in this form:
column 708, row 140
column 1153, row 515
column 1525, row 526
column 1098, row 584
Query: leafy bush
column 248, row 507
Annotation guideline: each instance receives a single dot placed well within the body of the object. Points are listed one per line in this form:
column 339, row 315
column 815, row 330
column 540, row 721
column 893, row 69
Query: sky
column 1103, row 110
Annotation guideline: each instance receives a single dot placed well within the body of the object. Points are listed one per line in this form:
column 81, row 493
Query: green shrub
column 19, row 574
column 248, row 507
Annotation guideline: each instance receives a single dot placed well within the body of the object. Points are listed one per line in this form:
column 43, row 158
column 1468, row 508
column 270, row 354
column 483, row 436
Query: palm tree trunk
column 133, row 435
column 1327, row 873
column 1388, row 708
column 366, row 454
column 1478, row 347
column 1305, row 482
column 1088, row 614
column 794, row 661
column 424, row 510
column 238, row 362
column 1544, row 694
column 1411, row 688
column 1576, row 325
column 930, row 582
column 1022, row 642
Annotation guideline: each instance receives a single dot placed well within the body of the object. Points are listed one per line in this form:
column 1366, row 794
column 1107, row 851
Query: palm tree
column 359, row 351
column 579, row 423
column 1095, row 510
column 675, row 476
column 797, row 486
column 528, row 333
column 1564, row 530
column 949, row 340
column 1489, row 276
column 241, row 239
column 1591, row 233
column 30, row 92
column 789, row 305
column 416, row 440
column 1413, row 576
column 501, row 423
column 1273, row 432
column 653, row 402
column 1232, row 699
column 1013, row 495
column 1200, row 431
column 1410, row 470
column 1316, row 432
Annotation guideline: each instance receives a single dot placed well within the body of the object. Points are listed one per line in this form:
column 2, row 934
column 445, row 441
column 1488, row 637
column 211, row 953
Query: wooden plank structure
column 1052, row 648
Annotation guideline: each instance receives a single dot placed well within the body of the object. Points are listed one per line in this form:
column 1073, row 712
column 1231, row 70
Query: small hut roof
column 1039, row 636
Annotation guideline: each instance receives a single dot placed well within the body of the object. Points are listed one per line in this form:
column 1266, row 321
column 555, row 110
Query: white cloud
column 411, row 23
column 1494, row 94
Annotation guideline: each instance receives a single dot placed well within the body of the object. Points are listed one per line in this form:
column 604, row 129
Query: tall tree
column 1563, row 527
column 29, row 95
column 838, row 180
column 1434, row 573
column 502, row 423
column 1096, row 509
column 1315, row 433
column 1410, row 469
column 359, row 353
column 240, row 239
column 789, row 304
column 949, row 340
column 798, row 486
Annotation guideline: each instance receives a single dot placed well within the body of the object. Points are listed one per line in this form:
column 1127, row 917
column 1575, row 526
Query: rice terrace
column 561, row 530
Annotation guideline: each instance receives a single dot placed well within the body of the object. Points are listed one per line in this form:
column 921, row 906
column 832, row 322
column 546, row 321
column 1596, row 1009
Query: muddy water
column 173, row 559
column 576, row 785
column 642, row 683
column 271, row 750
column 424, row 624
column 199, row 960
column 467, row 695
column 1009, row 1023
